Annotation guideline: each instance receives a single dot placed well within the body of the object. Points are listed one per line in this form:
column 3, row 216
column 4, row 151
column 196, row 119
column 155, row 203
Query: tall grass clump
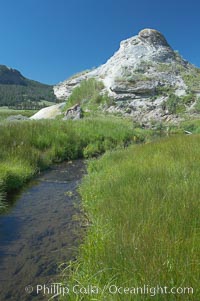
column 88, row 94
column 27, row 147
column 192, row 126
column 142, row 204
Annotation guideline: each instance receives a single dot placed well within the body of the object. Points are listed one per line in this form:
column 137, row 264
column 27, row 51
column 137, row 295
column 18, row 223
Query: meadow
column 140, row 200
column 142, row 206
column 27, row 147
column 5, row 112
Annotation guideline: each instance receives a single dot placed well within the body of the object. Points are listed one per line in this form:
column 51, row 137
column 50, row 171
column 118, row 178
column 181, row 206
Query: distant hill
column 20, row 92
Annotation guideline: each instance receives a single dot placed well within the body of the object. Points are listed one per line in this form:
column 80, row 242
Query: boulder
column 74, row 113
column 17, row 118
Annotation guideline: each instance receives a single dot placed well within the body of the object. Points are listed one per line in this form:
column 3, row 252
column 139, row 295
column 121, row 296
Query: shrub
column 192, row 79
column 87, row 93
column 188, row 99
column 174, row 104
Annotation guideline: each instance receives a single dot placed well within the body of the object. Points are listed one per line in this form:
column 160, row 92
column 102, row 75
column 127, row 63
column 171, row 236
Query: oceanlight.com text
column 149, row 290
column 57, row 289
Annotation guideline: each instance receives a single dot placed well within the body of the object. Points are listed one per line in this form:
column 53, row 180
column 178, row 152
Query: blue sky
column 49, row 40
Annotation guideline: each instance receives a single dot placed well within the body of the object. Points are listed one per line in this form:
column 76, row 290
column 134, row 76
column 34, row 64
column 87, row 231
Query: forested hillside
column 18, row 91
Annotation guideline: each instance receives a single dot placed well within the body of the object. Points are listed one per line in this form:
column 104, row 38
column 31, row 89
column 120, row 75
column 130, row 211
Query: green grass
column 5, row 112
column 192, row 79
column 29, row 146
column 192, row 126
column 88, row 95
column 175, row 104
column 142, row 205
column 197, row 105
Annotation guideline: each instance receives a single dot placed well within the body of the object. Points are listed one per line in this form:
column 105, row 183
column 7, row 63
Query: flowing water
column 40, row 232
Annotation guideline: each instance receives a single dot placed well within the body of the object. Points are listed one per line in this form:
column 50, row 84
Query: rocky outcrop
column 139, row 77
column 134, row 68
column 153, row 37
column 73, row 113
column 17, row 118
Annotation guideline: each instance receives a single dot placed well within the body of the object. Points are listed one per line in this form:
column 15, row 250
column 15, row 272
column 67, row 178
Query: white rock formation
column 139, row 76
column 133, row 69
column 49, row 112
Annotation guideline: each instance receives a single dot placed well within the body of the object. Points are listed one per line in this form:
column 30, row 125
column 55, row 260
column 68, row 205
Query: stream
column 40, row 231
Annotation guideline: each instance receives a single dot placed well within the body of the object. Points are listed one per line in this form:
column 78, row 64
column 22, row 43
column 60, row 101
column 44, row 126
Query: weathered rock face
column 136, row 76
column 73, row 113
column 137, row 56
column 153, row 37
